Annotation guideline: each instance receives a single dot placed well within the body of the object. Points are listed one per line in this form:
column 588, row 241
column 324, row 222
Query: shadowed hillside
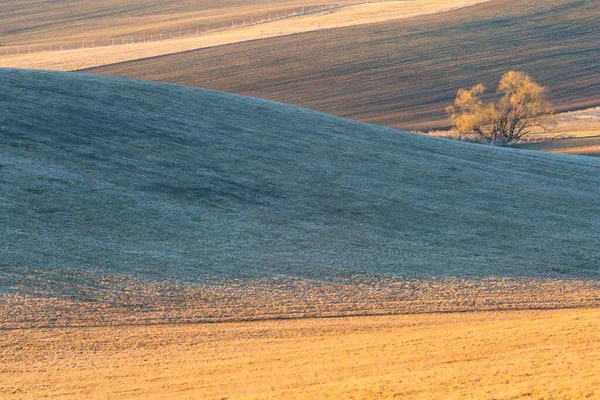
column 403, row 73
column 104, row 177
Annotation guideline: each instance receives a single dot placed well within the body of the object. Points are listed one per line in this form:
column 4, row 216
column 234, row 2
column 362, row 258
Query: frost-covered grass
column 161, row 183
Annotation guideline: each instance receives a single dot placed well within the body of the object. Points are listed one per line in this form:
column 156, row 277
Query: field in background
column 499, row 355
column 585, row 146
column 31, row 22
column 578, row 132
column 403, row 73
column 103, row 51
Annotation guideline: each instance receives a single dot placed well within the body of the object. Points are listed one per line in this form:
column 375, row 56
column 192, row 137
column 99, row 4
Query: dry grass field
column 403, row 73
column 585, row 146
column 132, row 209
column 30, row 22
column 578, row 132
column 103, row 53
column 103, row 300
column 482, row 355
column 161, row 241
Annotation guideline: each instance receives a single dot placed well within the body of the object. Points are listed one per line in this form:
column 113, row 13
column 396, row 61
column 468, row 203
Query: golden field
column 577, row 132
column 24, row 22
column 103, row 52
column 480, row 355
column 164, row 242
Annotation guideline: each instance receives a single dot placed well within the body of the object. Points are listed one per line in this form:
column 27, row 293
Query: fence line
column 198, row 30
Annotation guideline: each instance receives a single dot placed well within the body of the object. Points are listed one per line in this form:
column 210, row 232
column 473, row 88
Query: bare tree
column 523, row 107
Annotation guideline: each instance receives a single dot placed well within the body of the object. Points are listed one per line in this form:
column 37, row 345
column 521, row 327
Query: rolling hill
column 116, row 193
column 402, row 74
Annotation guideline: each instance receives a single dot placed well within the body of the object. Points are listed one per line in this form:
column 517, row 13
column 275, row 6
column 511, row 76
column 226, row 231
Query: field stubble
column 402, row 74
column 30, row 22
column 578, row 132
column 121, row 300
column 488, row 355
column 80, row 57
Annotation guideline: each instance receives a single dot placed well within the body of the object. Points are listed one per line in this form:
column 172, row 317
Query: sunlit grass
column 500, row 355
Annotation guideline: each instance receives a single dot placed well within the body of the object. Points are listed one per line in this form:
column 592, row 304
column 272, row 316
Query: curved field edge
column 30, row 22
column 403, row 74
column 501, row 355
column 105, row 53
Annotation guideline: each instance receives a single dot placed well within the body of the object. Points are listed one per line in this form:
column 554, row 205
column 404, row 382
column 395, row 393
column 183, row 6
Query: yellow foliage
column 523, row 107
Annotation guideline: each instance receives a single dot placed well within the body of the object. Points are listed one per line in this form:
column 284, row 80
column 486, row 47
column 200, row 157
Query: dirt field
column 403, row 74
column 29, row 22
column 75, row 56
column 481, row 355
